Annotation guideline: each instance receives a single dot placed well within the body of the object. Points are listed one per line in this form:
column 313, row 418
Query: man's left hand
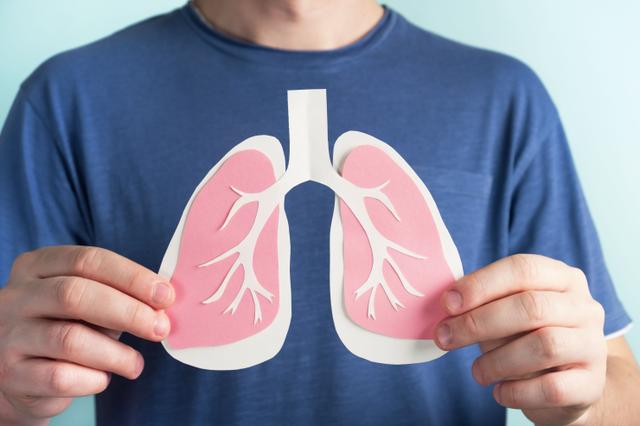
column 540, row 332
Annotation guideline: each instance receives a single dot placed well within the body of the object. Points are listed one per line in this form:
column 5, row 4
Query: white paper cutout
column 361, row 342
column 262, row 346
column 309, row 161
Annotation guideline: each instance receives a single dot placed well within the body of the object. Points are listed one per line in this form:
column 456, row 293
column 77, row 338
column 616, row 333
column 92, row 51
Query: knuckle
column 524, row 266
column 136, row 314
column 85, row 260
column 548, row 344
column 512, row 394
column 580, row 277
column 553, row 390
column 476, row 288
column 136, row 278
column 487, row 369
column 60, row 379
column 496, row 369
column 471, row 323
column 23, row 260
column 534, row 306
column 70, row 338
column 70, row 292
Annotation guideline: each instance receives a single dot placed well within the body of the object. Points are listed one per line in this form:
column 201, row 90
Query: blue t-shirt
column 105, row 144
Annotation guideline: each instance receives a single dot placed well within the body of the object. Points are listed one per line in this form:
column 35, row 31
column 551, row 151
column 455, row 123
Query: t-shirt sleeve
column 38, row 203
column 549, row 216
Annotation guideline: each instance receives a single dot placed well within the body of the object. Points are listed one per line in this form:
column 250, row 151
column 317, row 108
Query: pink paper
column 193, row 322
column 368, row 166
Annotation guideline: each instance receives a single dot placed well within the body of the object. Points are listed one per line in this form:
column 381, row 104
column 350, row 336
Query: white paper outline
column 267, row 343
column 362, row 342
column 309, row 161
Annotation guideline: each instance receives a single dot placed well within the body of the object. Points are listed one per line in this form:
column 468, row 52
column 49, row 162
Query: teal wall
column 586, row 51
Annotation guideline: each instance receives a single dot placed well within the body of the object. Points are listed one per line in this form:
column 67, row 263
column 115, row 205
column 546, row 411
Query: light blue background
column 586, row 51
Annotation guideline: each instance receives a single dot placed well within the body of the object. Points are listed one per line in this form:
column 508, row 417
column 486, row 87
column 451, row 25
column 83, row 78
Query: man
column 104, row 145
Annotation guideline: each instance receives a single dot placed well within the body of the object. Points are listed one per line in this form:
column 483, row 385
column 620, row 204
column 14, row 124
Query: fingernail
column 453, row 300
column 161, row 293
column 443, row 334
column 161, row 326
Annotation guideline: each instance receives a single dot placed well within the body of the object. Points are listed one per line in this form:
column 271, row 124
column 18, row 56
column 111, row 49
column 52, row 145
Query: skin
column 64, row 308
column 293, row 24
column 541, row 335
column 61, row 315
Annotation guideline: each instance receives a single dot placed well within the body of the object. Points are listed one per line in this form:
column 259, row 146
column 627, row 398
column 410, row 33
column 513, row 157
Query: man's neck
column 293, row 24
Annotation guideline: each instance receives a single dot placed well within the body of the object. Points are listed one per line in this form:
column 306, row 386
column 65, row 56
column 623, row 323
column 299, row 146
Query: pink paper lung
column 229, row 255
column 193, row 322
column 369, row 166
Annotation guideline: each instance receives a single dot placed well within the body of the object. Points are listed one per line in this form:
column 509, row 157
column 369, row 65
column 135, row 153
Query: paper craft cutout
column 391, row 254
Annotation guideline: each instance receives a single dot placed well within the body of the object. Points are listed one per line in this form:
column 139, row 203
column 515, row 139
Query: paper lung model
column 391, row 254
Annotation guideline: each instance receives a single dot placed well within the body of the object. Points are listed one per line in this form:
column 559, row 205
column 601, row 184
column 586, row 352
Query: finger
column 566, row 388
column 114, row 334
column 38, row 407
column 539, row 350
column 511, row 315
column 108, row 268
column 508, row 276
column 80, row 344
column 48, row 378
column 489, row 345
column 90, row 301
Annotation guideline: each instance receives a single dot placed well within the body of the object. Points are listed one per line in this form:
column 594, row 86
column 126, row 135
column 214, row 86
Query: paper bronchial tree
column 391, row 254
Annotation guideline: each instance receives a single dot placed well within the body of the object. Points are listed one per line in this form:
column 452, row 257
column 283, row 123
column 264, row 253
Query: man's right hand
column 61, row 315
